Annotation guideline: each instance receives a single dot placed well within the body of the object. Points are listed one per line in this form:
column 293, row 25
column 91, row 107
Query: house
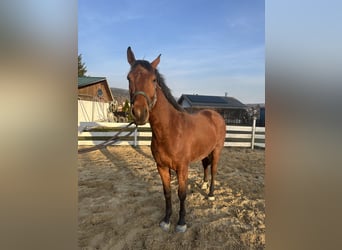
column 94, row 98
column 232, row 110
column 94, row 89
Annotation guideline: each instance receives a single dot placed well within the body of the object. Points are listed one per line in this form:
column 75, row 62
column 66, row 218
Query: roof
column 203, row 101
column 89, row 80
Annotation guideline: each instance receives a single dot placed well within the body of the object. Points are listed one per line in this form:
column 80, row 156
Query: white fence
column 93, row 133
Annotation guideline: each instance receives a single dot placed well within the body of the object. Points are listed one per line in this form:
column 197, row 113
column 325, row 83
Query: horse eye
column 154, row 80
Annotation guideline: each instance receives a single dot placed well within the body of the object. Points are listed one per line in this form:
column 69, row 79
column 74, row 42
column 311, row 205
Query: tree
column 126, row 106
column 82, row 69
column 126, row 109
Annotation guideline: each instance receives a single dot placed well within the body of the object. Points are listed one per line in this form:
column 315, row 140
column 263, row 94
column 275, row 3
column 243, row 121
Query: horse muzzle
column 141, row 105
column 140, row 114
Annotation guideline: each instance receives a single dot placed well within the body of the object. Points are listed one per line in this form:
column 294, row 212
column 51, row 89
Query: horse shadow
column 139, row 150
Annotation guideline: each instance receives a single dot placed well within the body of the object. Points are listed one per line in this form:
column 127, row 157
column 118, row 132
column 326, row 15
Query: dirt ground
column 121, row 202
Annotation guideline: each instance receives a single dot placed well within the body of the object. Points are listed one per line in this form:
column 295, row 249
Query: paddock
column 121, row 202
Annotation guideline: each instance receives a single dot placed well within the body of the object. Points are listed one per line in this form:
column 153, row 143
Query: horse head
column 143, row 81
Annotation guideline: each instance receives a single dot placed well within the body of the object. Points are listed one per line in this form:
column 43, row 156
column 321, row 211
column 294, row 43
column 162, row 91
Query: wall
column 90, row 111
column 90, row 92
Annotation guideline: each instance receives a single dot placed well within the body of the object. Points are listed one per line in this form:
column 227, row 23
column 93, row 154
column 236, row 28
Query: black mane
column 167, row 92
column 161, row 82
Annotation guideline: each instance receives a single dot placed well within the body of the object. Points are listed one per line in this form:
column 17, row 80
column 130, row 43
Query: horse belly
column 199, row 154
column 205, row 141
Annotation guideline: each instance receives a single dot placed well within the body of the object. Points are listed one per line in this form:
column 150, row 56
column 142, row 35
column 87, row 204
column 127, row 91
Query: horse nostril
column 133, row 113
column 136, row 113
column 140, row 114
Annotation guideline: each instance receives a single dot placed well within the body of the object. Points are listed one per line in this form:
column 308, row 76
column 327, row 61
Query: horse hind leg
column 214, row 162
column 205, row 162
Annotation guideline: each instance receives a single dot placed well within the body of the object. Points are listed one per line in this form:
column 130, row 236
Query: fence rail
column 94, row 133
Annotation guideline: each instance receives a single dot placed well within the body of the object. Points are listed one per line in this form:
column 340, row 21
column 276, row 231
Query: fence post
column 253, row 131
column 136, row 136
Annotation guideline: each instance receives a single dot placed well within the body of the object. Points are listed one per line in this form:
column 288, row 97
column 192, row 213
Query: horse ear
column 130, row 56
column 156, row 62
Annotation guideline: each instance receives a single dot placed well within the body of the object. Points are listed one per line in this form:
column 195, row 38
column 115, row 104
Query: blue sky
column 208, row 47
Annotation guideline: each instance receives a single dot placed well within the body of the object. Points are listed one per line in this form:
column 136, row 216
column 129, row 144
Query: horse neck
column 163, row 113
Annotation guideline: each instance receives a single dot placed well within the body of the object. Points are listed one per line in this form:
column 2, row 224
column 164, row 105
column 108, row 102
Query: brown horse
column 178, row 137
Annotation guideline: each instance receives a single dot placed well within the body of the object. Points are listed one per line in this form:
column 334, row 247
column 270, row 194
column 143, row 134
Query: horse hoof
column 181, row 228
column 165, row 226
column 204, row 185
column 211, row 198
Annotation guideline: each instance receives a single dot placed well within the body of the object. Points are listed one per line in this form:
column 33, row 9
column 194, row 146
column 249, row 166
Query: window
column 99, row 92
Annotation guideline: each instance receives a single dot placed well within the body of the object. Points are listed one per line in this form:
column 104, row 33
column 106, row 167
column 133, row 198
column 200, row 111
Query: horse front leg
column 165, row 175
column 182, row 175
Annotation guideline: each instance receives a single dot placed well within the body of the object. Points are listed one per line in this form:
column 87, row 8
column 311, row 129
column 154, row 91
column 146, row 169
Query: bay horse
column 178, row 137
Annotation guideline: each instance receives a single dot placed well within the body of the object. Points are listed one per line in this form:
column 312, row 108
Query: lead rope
column 110, row 141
